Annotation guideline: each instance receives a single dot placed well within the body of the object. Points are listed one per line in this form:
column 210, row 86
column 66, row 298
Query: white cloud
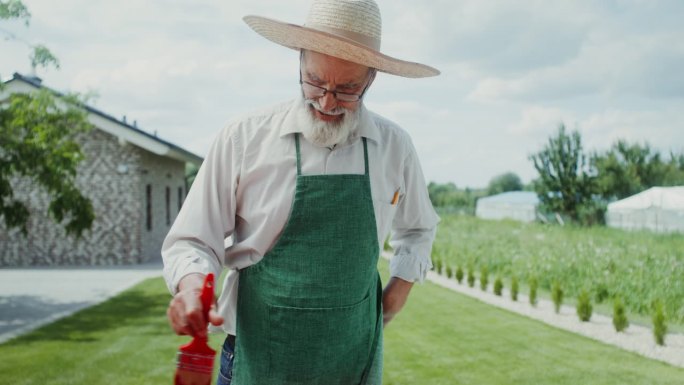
column 511, row 71
column 540, row 121
column 612, row 61
column 663, row 129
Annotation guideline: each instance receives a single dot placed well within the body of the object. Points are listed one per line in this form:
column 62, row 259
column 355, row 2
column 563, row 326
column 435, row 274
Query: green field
column 639, row 267
column 440, row 338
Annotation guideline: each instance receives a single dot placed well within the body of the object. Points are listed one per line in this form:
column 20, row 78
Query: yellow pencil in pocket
column 395, row 198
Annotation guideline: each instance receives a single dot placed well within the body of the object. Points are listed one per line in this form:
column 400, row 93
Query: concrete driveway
column 30, row 298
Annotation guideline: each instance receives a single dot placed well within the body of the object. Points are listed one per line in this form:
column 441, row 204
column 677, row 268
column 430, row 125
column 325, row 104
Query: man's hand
column 394, row 297
column 185, row 310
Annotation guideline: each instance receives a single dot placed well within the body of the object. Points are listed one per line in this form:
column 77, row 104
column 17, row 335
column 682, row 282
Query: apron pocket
column 320, row 345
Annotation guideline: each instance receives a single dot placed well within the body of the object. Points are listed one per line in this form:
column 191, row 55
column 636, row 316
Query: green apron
column 310, row 312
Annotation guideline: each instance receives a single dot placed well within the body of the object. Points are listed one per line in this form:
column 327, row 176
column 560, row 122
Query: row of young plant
column 637, row 267
column 584, row 305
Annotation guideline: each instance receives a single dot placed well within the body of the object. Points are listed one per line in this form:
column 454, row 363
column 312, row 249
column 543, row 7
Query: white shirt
column 245, row 187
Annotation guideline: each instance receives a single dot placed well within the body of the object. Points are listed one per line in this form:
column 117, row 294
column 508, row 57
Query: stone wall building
column 136, row 183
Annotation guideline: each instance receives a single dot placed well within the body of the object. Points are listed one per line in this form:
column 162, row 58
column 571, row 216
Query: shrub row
column 635, row 266
column 584, row 307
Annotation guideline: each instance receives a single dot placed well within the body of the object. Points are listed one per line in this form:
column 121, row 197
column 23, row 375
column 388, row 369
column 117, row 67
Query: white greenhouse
column 517, row 205
column 660, row 209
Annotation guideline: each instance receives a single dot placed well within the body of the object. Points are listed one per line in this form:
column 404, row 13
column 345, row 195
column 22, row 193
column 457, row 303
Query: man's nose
column 328, row 102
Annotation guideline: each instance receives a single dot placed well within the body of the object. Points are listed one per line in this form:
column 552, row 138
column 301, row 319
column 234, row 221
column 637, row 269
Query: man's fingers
column 185, row 310
column 185, row 314
column 196, row 322
column 176, row 319
column 215, row 318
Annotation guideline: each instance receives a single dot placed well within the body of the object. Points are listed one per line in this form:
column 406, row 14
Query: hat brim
column 301, row 37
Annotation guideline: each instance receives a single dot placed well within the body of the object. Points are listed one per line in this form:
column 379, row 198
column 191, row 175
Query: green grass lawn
column 126, row 340
column 440, row 338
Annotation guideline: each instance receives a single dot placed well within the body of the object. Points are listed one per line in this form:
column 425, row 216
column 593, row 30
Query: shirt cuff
column 176, row 269
column 409, row 267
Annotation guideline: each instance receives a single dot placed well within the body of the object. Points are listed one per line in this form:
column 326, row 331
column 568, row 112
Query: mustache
column 336, row 111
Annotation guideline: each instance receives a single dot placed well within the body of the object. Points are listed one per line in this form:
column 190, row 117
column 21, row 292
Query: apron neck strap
column 365, row 154
column 299, row 156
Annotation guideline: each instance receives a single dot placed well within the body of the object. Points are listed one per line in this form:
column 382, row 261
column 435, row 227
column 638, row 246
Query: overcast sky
column 511, row 71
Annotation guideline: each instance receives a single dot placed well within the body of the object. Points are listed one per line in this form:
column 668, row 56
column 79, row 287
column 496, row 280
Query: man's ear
column 372, row 77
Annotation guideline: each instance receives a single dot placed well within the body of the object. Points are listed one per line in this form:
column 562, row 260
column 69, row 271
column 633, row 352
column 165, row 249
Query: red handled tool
column 195, row 360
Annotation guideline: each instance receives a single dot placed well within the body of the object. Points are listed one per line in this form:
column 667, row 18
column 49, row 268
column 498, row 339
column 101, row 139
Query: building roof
column 119, row 128
column 667, row 198
column 513, row 197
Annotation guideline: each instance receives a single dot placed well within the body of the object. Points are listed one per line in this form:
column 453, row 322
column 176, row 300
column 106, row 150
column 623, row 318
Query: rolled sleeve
column 186, row 257
column 411, row 260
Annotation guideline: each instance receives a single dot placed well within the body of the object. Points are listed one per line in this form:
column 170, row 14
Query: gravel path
column 637, row 339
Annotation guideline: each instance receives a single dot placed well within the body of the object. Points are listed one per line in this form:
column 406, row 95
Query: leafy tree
column 448, row 196
column 191, row 171
column 14, row 9
column 627, row 169
column 674, row 175
column 441, row 194
column 40, row 55
column 565, row 184
column 38, row 143
column 503, row 183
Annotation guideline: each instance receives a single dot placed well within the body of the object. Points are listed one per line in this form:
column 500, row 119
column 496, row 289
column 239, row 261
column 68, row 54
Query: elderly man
column 307, row 191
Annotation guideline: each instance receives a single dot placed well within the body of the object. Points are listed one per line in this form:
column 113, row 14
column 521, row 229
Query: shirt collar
column 295, row 119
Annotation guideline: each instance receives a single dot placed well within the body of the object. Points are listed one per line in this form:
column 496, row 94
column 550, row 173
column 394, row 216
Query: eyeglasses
column 312, row 91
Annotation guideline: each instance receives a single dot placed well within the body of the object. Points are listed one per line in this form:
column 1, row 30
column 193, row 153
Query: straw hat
column 345, row 29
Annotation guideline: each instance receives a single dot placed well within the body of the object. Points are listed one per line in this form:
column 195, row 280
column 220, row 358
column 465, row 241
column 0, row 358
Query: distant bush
column 459, row 274
column 449, row 272
column 484, row 278
column 498, row 286
column 619, row 317
column 534, row 284
column 514, row 288
column 438, row 267
column 584, row 308
column 557, row 296
column 471, row 277
column 659, row 325
column 601, row 293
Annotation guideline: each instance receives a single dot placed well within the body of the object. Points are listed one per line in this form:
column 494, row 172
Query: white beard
column 328, row 134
